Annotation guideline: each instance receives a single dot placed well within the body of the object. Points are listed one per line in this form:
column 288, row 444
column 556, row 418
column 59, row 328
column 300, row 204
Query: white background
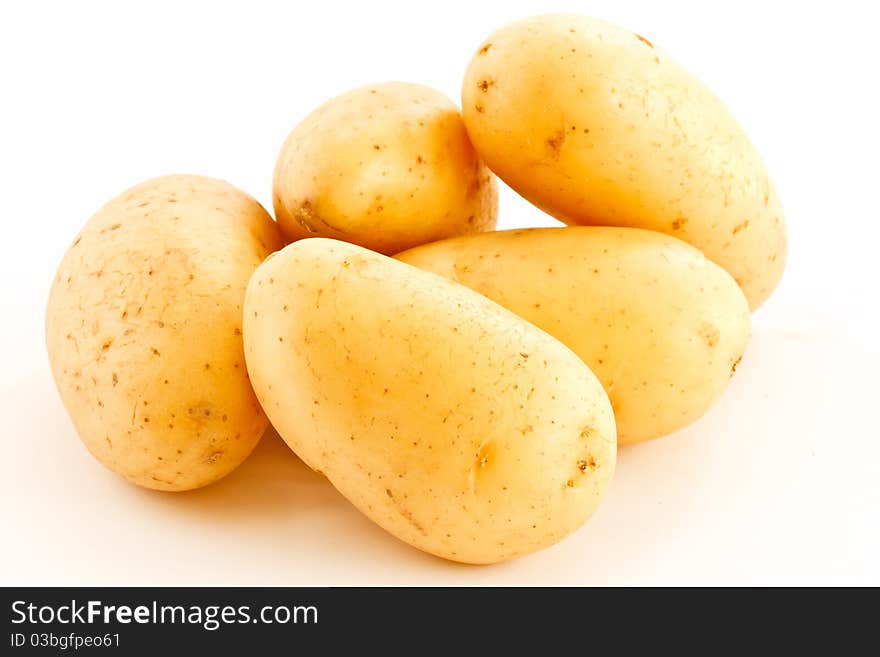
column 778, row 484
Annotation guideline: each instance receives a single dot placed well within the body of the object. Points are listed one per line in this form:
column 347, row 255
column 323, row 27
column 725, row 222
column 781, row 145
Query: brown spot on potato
column 710, row 334
column 405, row 513
column 484, row 49
column 484, row 84
column 588, row 463
column 679, row 223
column 734, row 365
column 555, row 142
column 480, row 109
column 644, row 40
column 198, row 412
column 741, row 226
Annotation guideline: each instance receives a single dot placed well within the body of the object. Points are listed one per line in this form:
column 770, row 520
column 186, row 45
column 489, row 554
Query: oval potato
column 143, row 330
column 449, row 421
column 660, row 325
column 388, row 166
column 596, row 126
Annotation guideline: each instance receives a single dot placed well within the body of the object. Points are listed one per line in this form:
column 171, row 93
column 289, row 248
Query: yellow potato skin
column 449, row 421
column 143, row 330
column 388, row 166
column 596, row 126
column 660, row 325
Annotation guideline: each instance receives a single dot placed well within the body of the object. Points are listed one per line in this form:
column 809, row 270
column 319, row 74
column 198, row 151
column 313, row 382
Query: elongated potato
column 596, row 126
column 388, row 166
column 661, row 326
column 143, row 330
column 452, row 423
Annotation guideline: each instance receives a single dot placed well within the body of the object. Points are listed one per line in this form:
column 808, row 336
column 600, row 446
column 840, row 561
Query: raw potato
column 143, row 330
column 660, row 325
column 596, row 126
column 452, row 423
column 388, row 166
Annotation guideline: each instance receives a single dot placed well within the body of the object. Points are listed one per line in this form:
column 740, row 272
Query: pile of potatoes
column 469, row 393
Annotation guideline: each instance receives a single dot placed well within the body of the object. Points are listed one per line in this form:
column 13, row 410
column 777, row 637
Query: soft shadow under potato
column 285, row 505
column 270, row 482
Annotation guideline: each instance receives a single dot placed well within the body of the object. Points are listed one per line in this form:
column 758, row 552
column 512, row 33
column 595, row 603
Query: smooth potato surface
column 388, row 166
column 449, row 421
column 660, row 325
column 596, row 126
column 143, row 329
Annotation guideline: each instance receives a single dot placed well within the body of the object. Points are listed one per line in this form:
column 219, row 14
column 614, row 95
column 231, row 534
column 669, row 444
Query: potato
column 143, row 330
column 660, row 325
column 596, row 126
column 449, row 421
column 388, row 166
